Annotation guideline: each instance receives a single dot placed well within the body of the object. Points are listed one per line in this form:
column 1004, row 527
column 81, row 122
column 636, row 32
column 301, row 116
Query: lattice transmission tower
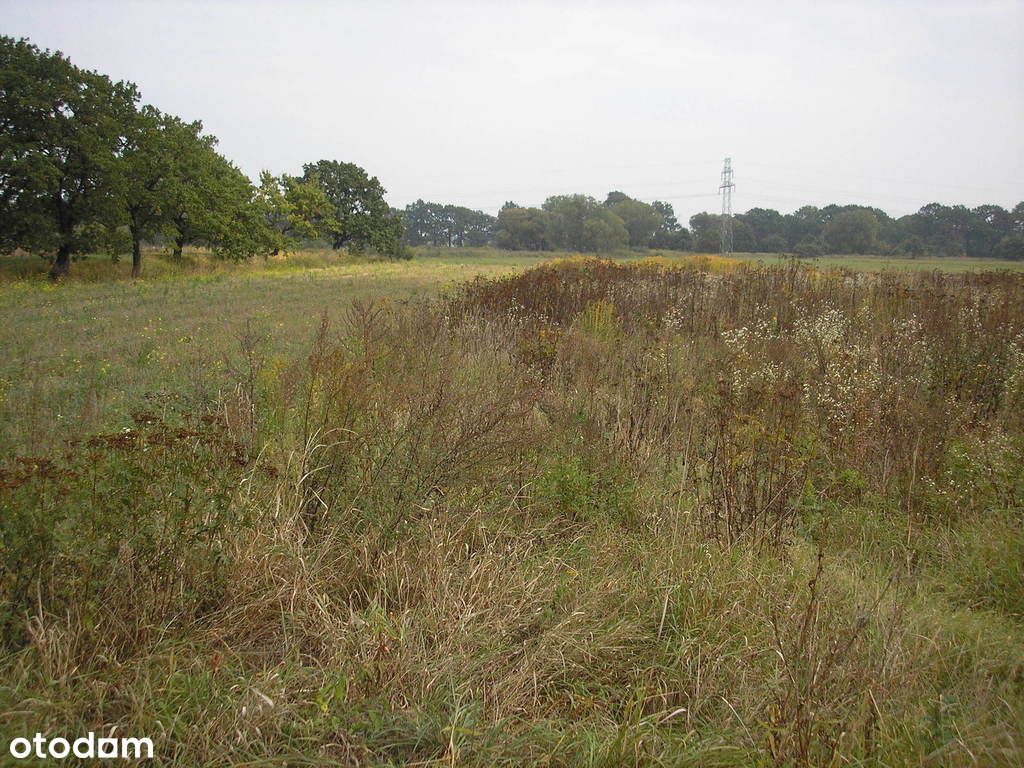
column 726, row 191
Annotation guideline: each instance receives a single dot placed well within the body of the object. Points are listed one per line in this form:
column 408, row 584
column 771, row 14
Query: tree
column 742, row 236
column 987, row 227
column 640, row 219
column 147, row 170
column 913, row 246
column 805, row 222
column 941, row 227
column 445, row 225
column 1011, row 247
column 707, row 232
column 522, row 229
column 363, row 218
column 767, row 226
column 809, row 247
column 421, row 224
column 852, row 232
column 604, row 231
column 62, row 133
column 567, row 217
column 669, row 233
column 295, row 210
column 166, row 163
column 773, row 243
column 213, row 202
column 580, row 223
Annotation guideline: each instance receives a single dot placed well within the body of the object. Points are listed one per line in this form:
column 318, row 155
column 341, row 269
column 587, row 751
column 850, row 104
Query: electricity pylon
column 726, row 191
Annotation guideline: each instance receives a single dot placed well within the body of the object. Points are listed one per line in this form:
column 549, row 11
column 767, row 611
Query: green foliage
column 577, row 489
column 79, row 162
column 522, row 229
column 809, row 247
column 852, row 232
column 669, row 234
column 1011, row 247
column 936, row 230
column 137, row 517
column 773, row 243
column 445, row 225
column 640, row 220
column 171, row 183
column 913, row 247
column 211, row 201
column 604, row 232
column 580, row 223
column 707, row 232
column 363, row 219
column 295, row 211
column 765, row 227
column 64, row 131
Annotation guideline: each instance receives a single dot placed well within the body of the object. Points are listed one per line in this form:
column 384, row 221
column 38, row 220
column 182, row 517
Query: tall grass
column 593, row 514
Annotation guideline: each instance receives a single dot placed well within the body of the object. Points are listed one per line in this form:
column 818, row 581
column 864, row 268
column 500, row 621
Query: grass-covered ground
column 875, row 263
column 79, row 356
column 324, row 511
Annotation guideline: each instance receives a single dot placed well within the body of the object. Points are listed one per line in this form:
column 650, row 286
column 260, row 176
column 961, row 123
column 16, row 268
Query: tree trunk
column 61, row 263
column 136, row 254
column 179, row 244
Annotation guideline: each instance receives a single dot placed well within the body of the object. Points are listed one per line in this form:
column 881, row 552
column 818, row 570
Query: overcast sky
column 896, row 104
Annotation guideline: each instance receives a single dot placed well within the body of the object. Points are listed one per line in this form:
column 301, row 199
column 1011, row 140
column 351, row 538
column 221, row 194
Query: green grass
column 82, row 354
column 873, row 263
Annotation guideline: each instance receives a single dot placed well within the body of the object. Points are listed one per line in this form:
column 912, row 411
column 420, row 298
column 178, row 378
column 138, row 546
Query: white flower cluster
column 516, row 315
column 911, row 347
column 843, row 376
column 829, row 330
column 861, row 279
column 752, row 370
column 675, row 317
column 1013, row 384
column 744, row 341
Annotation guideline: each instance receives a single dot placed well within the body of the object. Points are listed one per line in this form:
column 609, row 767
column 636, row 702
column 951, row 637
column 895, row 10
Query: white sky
column 895, row 104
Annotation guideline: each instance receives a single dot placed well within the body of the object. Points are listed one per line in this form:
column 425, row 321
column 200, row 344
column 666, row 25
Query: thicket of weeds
column 594, row 514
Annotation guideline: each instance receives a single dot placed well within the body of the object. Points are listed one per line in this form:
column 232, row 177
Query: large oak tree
column 63, row 132
column 364, row 219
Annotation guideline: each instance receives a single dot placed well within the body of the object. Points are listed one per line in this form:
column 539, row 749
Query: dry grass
column 593, row 514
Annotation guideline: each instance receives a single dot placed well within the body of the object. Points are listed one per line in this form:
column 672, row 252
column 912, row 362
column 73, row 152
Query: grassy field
column 81, row 355
column 677, row 511
column 874, row 263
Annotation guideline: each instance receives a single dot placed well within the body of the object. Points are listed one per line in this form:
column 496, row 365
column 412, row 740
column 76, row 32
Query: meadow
column 482, row 508
column 82, row 355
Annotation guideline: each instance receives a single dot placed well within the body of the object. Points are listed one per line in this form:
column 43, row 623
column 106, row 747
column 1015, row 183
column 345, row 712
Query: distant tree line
column 987, row 231
column 581, row 223
column 564, row 222
column 85, row 168
column 447, row 226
